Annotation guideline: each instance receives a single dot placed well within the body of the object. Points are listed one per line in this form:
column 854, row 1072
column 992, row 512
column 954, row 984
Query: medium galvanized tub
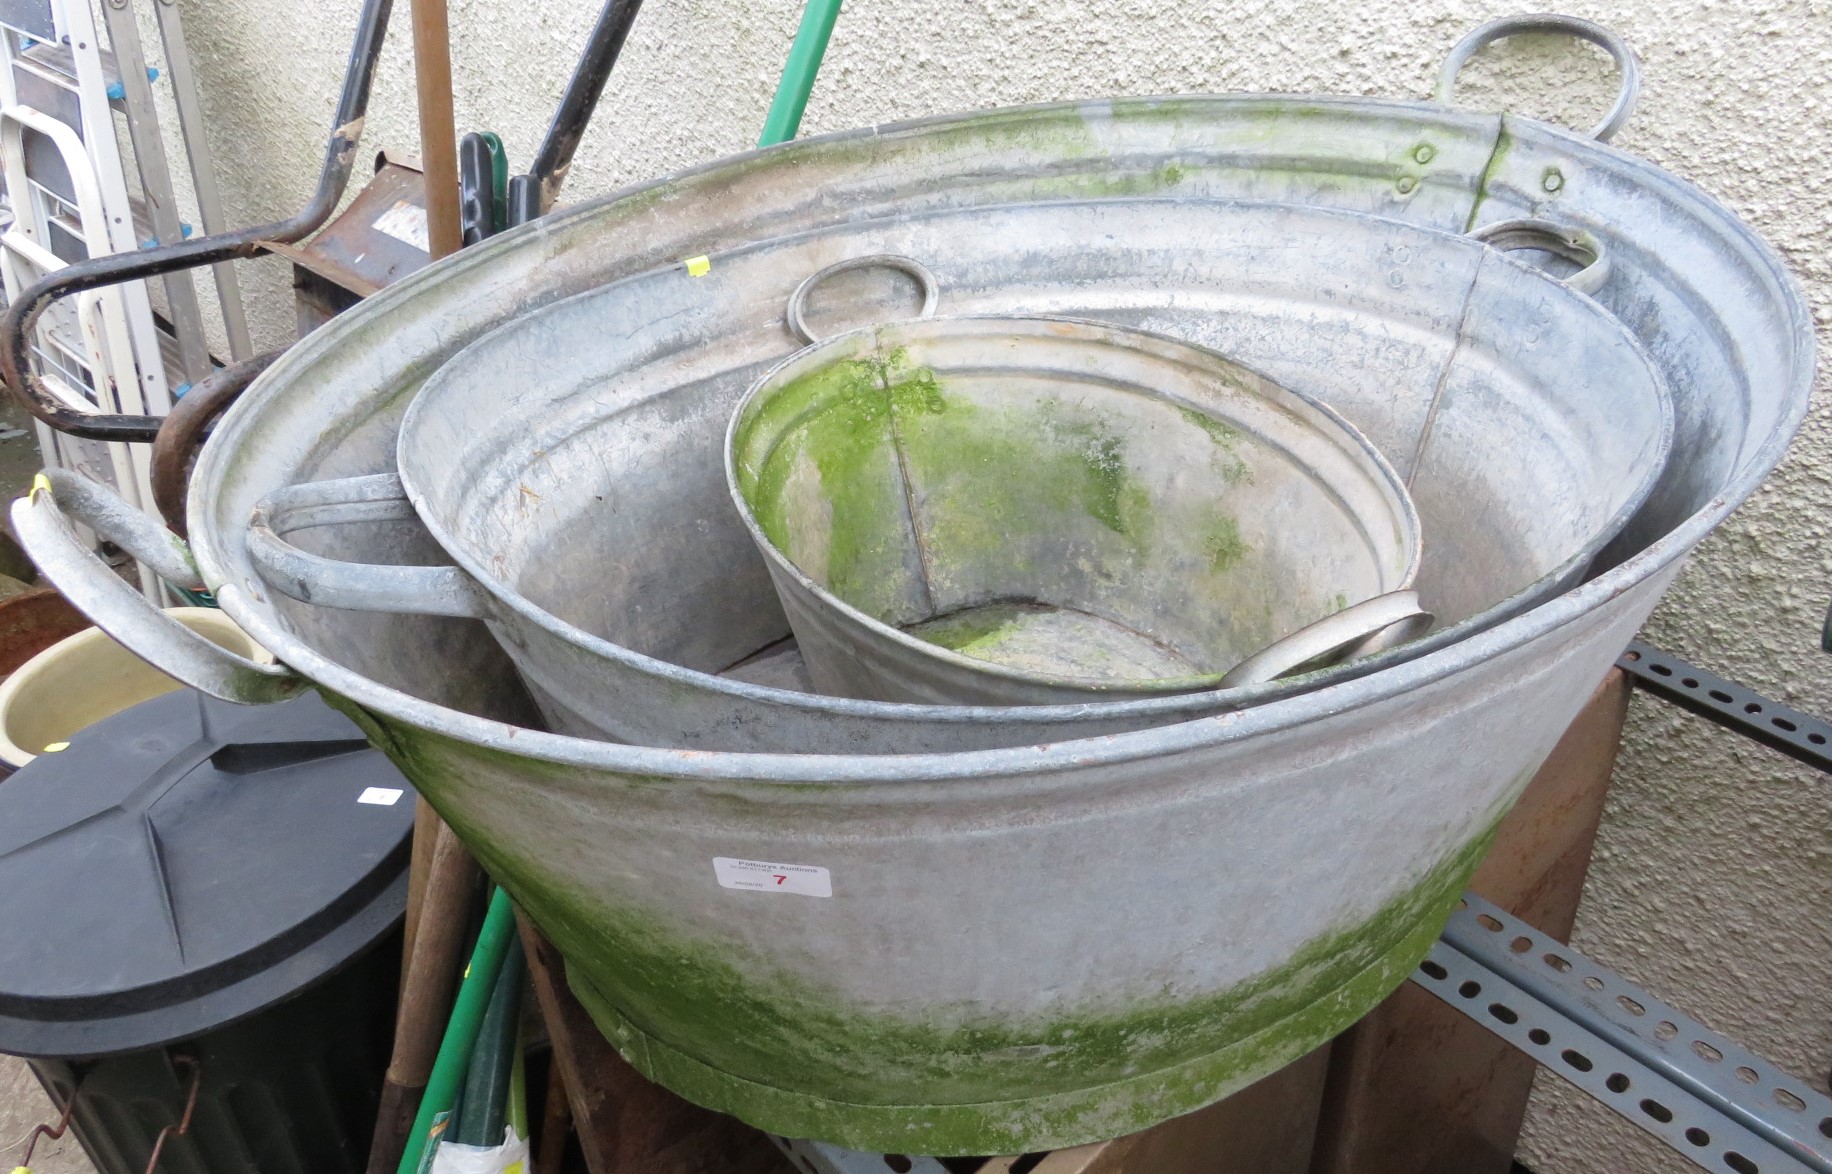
column 1031, row 947
column 537, row 476
column 1034, row 510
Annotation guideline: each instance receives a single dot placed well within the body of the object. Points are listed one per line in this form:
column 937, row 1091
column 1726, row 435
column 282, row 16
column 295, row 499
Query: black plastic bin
column 196, row 891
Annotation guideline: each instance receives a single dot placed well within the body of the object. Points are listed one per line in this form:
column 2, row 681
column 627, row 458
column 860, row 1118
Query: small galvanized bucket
column 1027, row 510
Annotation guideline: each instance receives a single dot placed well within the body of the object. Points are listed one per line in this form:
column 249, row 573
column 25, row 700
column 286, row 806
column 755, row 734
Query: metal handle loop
column 1549, row 22
column 329, row 582
column 931, row 289
column 117, row 608
column 1576, row 245
column 1363, row 629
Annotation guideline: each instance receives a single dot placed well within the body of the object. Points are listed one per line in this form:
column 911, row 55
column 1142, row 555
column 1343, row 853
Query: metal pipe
column 187, row 426
column 23, row 314
column 432, row 74
column 554, row 159
column 784, row 118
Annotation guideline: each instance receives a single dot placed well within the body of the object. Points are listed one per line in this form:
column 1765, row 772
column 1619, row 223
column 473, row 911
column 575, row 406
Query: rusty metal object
column 379, row 238
column 185, row 428
column 51, row 1131
column 184, row 1122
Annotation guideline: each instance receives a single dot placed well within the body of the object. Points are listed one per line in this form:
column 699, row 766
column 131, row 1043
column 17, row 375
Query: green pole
column 785, row 115
column 486, row 1079
column 461, row 1030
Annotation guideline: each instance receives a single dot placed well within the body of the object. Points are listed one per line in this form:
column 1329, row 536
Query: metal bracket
column 1713, row 1101
column 1726, row 703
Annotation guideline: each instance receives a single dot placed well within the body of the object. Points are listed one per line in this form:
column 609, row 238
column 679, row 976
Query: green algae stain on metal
column 855, row 1078
column 883, row 432
column 731, row 1029
column 840, row 421
column 1224, row 545
column 968, row 630
column 1225, row 437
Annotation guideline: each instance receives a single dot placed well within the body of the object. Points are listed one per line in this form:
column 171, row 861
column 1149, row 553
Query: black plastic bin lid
column 187, row 862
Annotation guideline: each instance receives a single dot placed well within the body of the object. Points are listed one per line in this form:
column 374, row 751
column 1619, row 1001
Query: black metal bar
column 1724, row 702
column 23, row 314
column 554, row 159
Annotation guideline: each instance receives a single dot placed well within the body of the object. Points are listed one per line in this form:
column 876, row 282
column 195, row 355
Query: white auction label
column 808, row 880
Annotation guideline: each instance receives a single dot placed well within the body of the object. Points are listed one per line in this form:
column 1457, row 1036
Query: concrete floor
column 22, row 1103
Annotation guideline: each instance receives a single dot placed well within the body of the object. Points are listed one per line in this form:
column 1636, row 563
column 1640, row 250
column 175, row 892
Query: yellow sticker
column 54, row 747
column 698, row 266
column 40, row 481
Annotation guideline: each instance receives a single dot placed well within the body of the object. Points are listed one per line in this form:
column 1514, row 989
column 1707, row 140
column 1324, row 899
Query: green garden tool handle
column 461, row 1031
column 482, row 1111
column 785, row 115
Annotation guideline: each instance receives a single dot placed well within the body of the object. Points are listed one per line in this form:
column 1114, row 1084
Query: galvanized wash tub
column 538, row 476
column 1025, row 510
column 1025, row 948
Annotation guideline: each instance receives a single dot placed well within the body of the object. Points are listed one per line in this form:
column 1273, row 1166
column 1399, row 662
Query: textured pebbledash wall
column 1713, row 876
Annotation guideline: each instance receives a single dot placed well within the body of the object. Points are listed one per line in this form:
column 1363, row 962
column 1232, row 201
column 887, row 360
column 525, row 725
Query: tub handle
column 931, row 289
column 1362, row 629
column 1611, row 42
column 45, row 531
column 329, row 582
column 1576, row 245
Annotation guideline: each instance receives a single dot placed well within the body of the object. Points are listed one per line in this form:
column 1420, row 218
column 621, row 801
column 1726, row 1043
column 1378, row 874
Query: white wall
column 1711, row 881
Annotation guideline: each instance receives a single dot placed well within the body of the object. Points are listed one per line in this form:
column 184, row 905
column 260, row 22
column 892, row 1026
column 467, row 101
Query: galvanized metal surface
column 529, row 472
column 1011, row 511
column 1207, row 899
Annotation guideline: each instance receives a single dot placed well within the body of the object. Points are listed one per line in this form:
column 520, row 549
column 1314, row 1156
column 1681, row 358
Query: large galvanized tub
column 539, row 477
column 1030, row 947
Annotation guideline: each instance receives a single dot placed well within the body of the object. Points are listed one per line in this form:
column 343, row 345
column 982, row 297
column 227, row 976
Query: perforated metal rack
column 1719, row 1105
